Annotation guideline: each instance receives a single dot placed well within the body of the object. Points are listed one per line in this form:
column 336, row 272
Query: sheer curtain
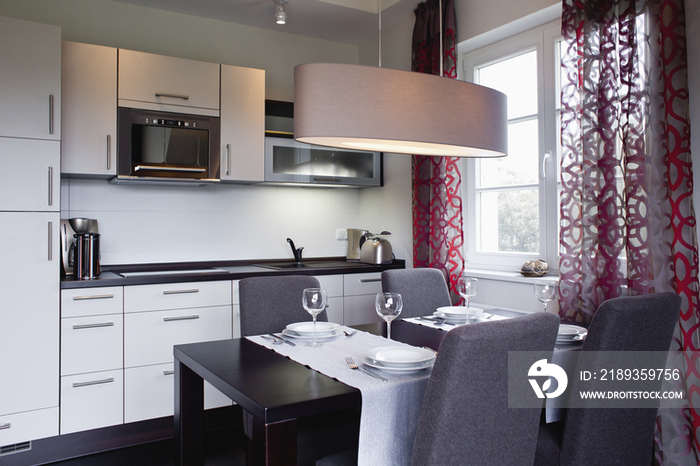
column 437, row 204
column 627, row 218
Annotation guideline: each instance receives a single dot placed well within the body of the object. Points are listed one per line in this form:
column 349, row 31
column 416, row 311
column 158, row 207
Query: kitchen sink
column 308, row 265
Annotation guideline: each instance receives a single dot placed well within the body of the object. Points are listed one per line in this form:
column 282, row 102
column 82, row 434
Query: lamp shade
column 379, row 109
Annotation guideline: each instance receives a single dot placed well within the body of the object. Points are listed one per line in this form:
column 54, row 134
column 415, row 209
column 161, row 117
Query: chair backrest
column 594, row 436
column 269, row 304
column 423, row 290
column 465, row 417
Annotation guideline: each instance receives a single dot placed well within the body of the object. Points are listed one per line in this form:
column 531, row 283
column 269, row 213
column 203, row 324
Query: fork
column 275, row 340
column 351, row 364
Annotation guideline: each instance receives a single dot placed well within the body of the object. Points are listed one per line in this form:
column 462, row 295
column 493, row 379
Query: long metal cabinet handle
column 50, row 113
column 109, row 152
column 327, row 179
column 98, row 325
column 50, row 186
column 174, row 96
column 168, row 372
column 368, row 280
column 93, row 382
column 193, row 290
column 95, row 296
column 228, row 159
column 6, row 425
column 50, row 241
column 170, row 169
column 170, row 319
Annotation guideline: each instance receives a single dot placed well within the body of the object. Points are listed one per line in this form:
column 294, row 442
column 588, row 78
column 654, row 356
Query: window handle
column 546, row 157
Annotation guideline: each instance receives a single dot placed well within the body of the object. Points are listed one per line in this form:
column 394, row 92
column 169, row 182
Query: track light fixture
column 281, row 11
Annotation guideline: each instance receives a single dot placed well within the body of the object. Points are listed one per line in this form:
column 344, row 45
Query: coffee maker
column 80, row 248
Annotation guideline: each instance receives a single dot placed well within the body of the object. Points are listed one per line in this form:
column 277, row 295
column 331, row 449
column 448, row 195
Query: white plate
column 459, row 310
column 418, row 367
column 307, row 328
column 400, row 356
column 571, row 332
column 331, row 334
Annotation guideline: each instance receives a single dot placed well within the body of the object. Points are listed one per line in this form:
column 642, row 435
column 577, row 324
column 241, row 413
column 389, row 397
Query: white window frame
column 543, row 39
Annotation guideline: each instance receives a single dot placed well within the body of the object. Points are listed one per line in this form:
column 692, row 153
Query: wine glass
column 466, row 287
column 545, row 292
column 388, row 307
column 314, row 301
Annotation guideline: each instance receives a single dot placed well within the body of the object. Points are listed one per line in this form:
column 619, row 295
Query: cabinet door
column 91, row 344
column 360, row 310
column 90, row 401
column 30, row 74
column 29, row 312
column 30, row 178
column 89, row 109
column 157, row 82
column 242, row 124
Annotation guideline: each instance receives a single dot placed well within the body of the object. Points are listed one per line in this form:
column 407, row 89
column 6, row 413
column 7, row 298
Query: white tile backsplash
column 147, row 223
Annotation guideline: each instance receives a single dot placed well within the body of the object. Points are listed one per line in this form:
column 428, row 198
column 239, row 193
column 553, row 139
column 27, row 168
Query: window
column 511, row 203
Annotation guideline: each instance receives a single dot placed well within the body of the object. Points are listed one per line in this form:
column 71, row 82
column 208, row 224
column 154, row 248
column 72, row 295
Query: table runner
column 390, row 410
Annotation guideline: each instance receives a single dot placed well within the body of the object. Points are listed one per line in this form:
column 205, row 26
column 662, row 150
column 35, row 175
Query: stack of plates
column 569, row 334
column 458, row 314
column 305, row 330
column 399, row 358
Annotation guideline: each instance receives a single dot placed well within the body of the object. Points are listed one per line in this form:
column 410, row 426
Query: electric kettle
column 375, row 249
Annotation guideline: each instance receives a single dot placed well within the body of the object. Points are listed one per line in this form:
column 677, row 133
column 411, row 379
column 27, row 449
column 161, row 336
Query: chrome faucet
column 296, row 251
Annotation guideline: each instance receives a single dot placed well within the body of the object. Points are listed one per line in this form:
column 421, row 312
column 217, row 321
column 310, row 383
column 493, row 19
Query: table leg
column 274, row 444
column 189, row 416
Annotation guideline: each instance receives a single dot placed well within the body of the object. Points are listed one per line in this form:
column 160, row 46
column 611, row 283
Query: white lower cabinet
column 333, row 284
column 360, row 291
column 91, row 401
column 149, row 393
column 91, row 344
column 30, row 425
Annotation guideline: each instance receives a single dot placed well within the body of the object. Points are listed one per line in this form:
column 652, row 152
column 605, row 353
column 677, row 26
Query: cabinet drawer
column 149, row 393
column 90, row 401
column 360, row 310
column 334, row 309
column 176, row 296
column 167, row 82
column 333, row 284
column 362, row 283
column 91, row 344
column 92, row 301
column 31, row 425
column 149, row 336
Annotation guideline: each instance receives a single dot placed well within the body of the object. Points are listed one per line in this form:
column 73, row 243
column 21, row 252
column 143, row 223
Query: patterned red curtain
column 627, row 177
column 437, row 204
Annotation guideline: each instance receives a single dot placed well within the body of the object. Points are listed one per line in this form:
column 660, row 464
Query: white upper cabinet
column 30, row 175
column 89, row 109
column 242, row 124
column 30, row 73
column 157, row 82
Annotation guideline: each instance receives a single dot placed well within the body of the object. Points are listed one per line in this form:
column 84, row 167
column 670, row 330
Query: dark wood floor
column 223, row 447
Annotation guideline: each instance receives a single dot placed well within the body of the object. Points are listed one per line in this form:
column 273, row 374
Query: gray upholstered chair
column 423, row 290
column 597, row 436
column 269, row 304
column 465, row 417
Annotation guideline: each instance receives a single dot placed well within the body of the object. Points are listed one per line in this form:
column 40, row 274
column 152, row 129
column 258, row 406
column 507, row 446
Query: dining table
column 285, row 398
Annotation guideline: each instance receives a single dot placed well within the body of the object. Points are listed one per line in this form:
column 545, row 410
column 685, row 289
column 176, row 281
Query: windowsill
column 513, row 277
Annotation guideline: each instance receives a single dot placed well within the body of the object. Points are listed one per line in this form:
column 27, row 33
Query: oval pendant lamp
column 384, row 110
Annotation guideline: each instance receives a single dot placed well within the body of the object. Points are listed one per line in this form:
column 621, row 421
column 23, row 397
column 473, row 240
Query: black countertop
column 179, row 272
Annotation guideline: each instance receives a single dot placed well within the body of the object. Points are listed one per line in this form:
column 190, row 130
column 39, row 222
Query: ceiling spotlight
column 281, row 12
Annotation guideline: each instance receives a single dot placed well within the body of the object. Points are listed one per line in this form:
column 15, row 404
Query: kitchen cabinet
column 359, row 293
column 157, row 317
column 30, row 74
column 29, row 323
column 30, row 178
column 92, row 361
column 157, row 82
column 242, row 124
column 88, row 109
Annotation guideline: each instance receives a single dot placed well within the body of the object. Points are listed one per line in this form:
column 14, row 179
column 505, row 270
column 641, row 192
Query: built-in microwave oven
column 164, row 147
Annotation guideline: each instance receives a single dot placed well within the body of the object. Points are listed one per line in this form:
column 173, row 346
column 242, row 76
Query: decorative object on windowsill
column 384, row 110
column 534, row 268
